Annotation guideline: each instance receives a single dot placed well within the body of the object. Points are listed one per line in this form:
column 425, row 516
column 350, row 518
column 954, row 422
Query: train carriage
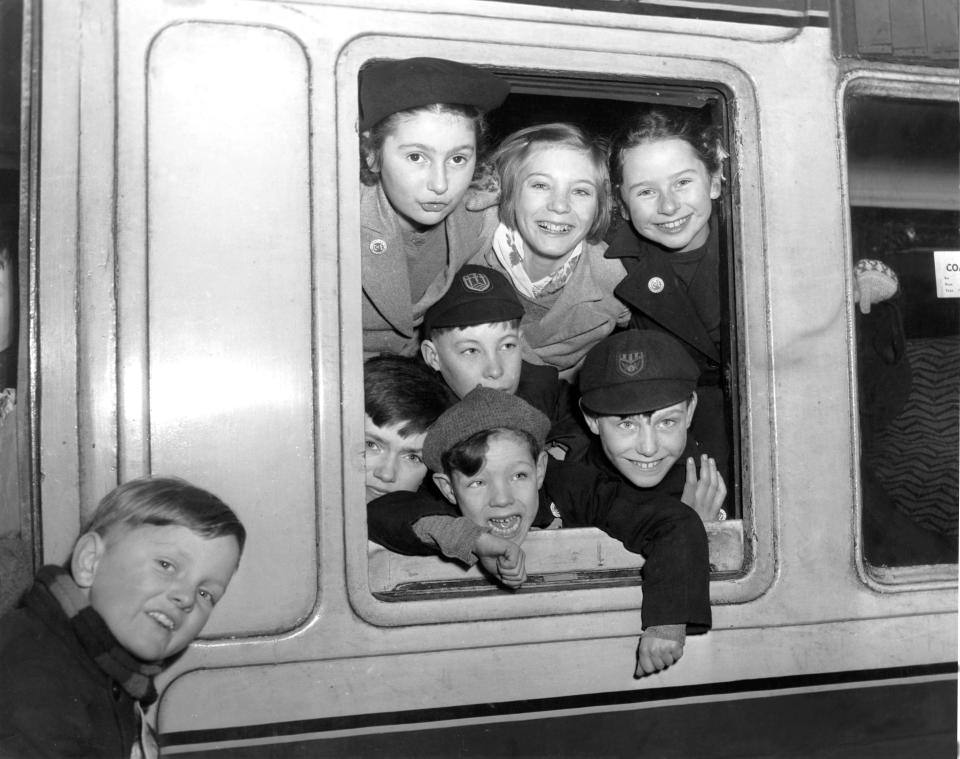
column 190, row 304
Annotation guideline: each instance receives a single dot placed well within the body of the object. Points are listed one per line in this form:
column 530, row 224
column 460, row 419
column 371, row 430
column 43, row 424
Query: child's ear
column 86, row 557
column 445, row 486
column 691, row 407
column 715, row 182
column 541, row 468
column 589, row 419
column 429, row 352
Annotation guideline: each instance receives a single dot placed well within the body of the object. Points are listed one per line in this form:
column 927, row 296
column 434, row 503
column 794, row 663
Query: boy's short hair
column 635, row 372
column 468, row 456
column 404, row 391
column 163, row 501
column 477, row 295
column 483, row 408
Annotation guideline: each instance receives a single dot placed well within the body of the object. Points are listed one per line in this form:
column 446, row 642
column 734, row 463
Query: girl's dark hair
column 468, row 456
column 163, row 501
column 662, row 123
column 513, row 152
column 371, row 141
column 401, row 390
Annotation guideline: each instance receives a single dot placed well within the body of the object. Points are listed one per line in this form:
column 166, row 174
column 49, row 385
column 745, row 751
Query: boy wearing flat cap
column 486, row 455
column 638, row 396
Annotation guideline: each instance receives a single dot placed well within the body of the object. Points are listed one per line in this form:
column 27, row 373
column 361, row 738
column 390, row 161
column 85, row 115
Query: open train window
column 581, row 559
column 902, row 153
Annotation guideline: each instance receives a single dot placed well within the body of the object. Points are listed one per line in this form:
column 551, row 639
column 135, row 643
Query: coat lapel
column 386, row 283
column 652, row 289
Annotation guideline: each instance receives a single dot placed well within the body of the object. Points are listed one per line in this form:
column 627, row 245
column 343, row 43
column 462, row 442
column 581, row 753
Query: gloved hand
column 484, row 190
column 873, row 282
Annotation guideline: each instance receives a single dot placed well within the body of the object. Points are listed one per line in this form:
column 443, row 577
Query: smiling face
column 556, row 204
column 504, row 495
column 484, row 354
column 667, row 193
column 154, row 586
column 644, row 447
column 425, row 166
column 392, row 461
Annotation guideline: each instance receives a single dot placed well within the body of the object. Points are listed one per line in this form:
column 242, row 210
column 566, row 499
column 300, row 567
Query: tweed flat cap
column 390, row 86
column 483, row 408
column 636, row 372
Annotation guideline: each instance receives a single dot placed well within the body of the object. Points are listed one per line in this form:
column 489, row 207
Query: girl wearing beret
column 421, row 121
column 554, row 211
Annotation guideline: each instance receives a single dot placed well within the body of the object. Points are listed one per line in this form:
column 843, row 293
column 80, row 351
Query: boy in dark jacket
column 79, row 654
column 638, row 397
column 486, row 453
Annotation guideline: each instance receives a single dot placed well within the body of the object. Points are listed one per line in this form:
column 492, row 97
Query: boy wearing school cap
column 638, row 397
column 486, row 455
column 472, row 337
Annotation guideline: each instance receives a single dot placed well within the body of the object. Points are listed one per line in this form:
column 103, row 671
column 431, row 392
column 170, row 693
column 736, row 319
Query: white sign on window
column 947, row 265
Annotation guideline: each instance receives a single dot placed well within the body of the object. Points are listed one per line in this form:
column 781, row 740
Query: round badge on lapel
column 655, row 285
column 377, row 247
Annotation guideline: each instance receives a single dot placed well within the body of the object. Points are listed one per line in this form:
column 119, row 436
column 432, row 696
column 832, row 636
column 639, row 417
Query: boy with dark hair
column 78, row 656
column 402, row 397
column 486, row 453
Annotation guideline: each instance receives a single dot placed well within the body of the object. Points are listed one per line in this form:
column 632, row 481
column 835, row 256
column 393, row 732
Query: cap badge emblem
column 655, row 285
column 630, row 364
column 476, row 282
column 377, row 247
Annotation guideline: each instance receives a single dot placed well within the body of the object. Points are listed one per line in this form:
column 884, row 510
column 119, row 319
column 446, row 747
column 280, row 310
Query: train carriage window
column 586, row 558
column 905, row 215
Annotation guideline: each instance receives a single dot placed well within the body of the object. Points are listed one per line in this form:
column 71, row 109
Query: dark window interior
column 909, row 346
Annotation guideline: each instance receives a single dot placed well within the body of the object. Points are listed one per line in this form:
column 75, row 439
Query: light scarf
column 509, row 248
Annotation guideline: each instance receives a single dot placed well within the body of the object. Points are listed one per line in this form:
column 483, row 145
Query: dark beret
column 477, row 295
column 636, row 372
column 390, row 86
column 483, row 408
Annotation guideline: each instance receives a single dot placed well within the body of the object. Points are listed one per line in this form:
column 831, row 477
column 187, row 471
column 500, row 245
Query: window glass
column 903, row 175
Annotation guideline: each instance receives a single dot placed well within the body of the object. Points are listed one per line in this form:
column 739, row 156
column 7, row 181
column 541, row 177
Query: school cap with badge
column 390, row 86
column 477, row 295
column 636, row 372
column 483, row 408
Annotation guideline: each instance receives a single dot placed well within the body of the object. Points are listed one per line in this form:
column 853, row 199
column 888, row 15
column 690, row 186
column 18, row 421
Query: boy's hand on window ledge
column 502, row 559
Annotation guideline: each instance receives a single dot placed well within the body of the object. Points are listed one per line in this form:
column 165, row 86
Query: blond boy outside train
column 79, row 654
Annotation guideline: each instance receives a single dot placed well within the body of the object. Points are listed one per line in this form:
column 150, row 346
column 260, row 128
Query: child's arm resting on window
column 419, row 524
column 670, row 536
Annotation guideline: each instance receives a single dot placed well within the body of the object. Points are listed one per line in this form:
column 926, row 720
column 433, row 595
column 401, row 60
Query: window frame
column 893, row 85
column 755, row 377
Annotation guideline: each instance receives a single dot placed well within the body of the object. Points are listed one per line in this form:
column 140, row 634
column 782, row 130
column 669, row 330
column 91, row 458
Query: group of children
column 541, row 376
column 575, row 368
column 556, row 346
